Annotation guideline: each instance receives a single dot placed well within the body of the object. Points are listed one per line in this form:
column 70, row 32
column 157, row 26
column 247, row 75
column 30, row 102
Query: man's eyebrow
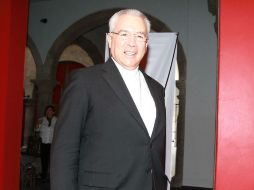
column 141, row 33
column 123, row 30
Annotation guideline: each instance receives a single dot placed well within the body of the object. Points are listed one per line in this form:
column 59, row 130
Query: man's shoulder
column 156, row 85
column 86, row 73
column 153, row 81
column 88, row 70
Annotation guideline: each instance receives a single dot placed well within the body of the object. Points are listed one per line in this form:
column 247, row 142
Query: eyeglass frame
column 129, row 34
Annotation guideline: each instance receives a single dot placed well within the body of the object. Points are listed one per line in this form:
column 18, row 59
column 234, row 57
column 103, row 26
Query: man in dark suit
column 110, row 132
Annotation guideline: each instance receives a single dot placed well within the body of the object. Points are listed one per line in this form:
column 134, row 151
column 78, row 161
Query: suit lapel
column 116, row 82
column 155, row 95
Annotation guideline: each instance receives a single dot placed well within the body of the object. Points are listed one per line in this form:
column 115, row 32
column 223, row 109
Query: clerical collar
column 125, row 71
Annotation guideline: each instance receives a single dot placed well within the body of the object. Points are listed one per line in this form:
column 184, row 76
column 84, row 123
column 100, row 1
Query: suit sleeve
column 67, row 134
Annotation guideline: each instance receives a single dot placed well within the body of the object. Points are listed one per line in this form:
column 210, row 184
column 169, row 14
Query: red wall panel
column 13, row 33
column 235, row 124
column 63, row 72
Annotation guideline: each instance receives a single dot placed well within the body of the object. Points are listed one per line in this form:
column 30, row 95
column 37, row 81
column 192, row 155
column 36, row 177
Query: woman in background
column 45, row 127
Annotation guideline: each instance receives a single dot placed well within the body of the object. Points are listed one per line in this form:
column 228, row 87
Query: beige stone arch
column 32, row 59
column 75, row 53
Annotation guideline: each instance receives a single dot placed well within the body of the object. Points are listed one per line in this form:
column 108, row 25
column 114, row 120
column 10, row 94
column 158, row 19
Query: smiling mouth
column 129, row 53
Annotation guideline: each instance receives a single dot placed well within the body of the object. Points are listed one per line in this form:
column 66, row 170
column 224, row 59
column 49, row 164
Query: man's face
column 128, row 48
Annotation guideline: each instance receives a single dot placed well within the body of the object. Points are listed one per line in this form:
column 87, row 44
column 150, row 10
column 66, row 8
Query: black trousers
column 45, row 157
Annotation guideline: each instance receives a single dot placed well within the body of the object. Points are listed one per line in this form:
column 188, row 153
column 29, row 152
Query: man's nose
column 131, row 40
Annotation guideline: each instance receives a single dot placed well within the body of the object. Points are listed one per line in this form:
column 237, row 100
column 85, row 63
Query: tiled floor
column 30, row 174
column 42, row 186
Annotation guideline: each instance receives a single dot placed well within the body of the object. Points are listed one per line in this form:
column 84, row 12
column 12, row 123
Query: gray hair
column 134, row 12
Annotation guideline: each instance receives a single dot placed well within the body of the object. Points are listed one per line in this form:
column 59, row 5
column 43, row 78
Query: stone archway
column 32, row 62
column 92, row 21
column 90, row 48
column 36, row 55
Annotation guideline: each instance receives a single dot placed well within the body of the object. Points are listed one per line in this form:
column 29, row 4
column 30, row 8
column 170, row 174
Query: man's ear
column 109, row 40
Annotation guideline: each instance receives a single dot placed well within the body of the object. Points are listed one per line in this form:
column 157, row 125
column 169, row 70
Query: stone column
column 28, row 121
column 45, row 89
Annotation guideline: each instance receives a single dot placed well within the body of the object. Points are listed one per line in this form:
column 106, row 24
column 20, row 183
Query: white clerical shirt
column 140, row 94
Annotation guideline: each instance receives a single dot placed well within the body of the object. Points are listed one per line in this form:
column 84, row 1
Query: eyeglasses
column 139, row 37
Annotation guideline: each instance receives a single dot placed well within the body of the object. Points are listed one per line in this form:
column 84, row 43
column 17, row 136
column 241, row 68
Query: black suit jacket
column 100, row 140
